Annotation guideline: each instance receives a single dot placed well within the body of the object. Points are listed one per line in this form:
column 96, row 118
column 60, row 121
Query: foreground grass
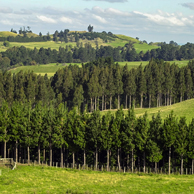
column 29, row 179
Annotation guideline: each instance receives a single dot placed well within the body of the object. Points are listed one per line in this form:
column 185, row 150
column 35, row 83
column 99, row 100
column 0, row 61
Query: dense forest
column 103, row 84
column 51, row 133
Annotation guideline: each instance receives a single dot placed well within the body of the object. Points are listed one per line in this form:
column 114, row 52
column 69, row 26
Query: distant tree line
column 51, row 133
column 85, row 53
column 103, row 84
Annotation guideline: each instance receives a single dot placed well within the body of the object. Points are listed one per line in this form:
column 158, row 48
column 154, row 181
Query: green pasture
column 37, row 179
column 181, row 109
column 144, row 47
column 49, row 69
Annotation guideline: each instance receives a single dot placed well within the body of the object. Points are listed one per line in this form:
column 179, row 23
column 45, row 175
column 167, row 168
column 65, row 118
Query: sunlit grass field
column 181, row 109
column 49, row 69
column 31, row 180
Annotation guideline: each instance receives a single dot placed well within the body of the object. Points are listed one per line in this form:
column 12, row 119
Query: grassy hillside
column 181, row 109
column 120, row 41
column 49, row 69
column 29, row 179
column 6, row 34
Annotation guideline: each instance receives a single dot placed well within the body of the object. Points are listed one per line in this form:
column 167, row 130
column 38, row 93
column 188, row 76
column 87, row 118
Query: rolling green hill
column 121, row 40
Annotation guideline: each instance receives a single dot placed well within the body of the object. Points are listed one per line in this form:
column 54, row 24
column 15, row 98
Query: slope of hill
column 118, row 40
column 180, row 109
column 6, row 34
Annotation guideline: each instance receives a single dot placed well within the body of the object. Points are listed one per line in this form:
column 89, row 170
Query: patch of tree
column 49, row 133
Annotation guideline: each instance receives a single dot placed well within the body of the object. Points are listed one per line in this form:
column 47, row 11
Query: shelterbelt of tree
column 48, row 132
column 103, row 85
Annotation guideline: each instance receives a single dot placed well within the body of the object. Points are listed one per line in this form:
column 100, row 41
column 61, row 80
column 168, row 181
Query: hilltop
column 100, row 39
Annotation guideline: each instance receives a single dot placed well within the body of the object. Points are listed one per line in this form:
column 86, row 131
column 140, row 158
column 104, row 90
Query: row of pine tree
column 54, row 134
column 102, row 85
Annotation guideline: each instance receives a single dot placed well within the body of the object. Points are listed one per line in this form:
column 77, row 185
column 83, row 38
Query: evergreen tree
column 191, row 143
column 141, row 136
column 118, row 83
column 169, row 131
column 128, row 135
column 181, row 141
column 4, row 126
column 154, row 145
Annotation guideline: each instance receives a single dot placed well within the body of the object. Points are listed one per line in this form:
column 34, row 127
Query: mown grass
column 180, row 109
column 144, row 47
column 30, row 179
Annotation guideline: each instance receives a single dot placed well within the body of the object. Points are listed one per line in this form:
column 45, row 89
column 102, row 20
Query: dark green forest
column 102, row 84
column 54, row 134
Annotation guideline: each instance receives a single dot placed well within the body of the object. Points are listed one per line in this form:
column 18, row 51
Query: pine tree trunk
column 192, row 166
column 170, row 100
column 73, row 160
column 102, row 102
column 130, row 101
column 144, row 162
column 181, row 164
column 91, row 105
column 118, row 101
column 127, row 160
column 141, row 103
column 38, row 153
column 5, row 148
column 126, row 102
column 28, row 151
column 25, row 154
column 44, row 155
column 118, row 159
column 96, row 158
column 132, row 161
column 155, row 167
column 150, row 100
column 61, row 156
column 105, row 103
column 165, row 100
column 84, row 158
column 16, row 151
column 51, row 155
column 169, row 158
column 110, row 101
column 95, row 103
column 107, row 159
